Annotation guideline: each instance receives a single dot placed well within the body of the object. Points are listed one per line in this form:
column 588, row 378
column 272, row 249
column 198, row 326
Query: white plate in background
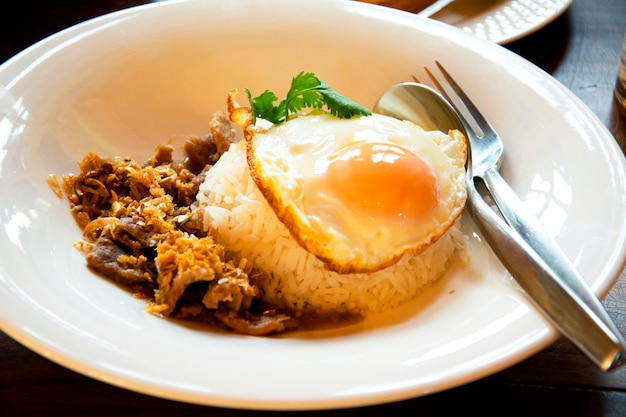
column 502, row 21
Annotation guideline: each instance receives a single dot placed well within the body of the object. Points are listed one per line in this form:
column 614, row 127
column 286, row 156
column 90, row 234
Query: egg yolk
column 383, row 181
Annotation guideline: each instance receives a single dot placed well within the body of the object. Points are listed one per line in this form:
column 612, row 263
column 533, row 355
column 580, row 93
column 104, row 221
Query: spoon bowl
column 421, row 105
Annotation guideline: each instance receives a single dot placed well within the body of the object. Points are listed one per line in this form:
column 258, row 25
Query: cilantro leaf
column 263, row 106
column 306, row 91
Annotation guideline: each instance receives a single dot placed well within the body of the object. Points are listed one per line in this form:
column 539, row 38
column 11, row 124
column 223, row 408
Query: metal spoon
column 434, row 8
column 586, row 324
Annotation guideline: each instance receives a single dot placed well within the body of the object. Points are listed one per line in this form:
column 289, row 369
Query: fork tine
column 438, row 86
column 474, row 113
column 468, row 122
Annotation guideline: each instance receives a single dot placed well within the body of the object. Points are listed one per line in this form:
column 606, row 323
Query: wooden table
column 580, row 49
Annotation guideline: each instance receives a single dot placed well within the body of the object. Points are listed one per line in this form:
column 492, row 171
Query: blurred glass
column 620, row 84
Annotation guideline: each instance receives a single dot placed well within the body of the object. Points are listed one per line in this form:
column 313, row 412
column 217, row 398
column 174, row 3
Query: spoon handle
column 533, row 232
column 434, row 8
column 578, row 319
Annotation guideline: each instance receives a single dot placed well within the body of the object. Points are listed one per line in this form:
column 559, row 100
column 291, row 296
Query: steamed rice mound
column 236, row 213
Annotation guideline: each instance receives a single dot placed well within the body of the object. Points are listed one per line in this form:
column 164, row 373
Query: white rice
column 236, row 212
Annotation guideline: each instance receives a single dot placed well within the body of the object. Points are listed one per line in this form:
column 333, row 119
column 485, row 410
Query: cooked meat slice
column 140, row 230
column 94, row 229
column 108, row 259
column 162, row 155
column 233, row 289
column 133, row 235
column 186, row 186
column 200, row 152
column 223, row 132
column 184, row 259
column 255, row 326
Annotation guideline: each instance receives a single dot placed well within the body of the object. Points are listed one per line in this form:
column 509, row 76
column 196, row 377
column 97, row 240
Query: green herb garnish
column 306, row 91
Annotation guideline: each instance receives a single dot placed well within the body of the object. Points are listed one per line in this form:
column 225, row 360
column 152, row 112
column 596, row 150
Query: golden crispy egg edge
column 243, row 116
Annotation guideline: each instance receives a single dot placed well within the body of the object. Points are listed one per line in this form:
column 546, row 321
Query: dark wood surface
column 580, row 49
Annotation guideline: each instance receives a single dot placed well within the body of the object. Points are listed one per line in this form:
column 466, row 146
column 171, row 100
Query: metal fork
column 523, row 245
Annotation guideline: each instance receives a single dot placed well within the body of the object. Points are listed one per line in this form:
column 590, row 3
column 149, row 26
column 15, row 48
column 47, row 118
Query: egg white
column 288, row 163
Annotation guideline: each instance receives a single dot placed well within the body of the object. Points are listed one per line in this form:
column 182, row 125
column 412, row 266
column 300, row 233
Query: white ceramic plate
column 502, row 21
column 122, row 83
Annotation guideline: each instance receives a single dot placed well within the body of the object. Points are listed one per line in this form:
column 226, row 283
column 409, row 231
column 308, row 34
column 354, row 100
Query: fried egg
column 359, row 193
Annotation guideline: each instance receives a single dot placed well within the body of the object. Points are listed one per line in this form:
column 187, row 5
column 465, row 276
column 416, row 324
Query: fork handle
column 532, row 231
column 544, row 271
